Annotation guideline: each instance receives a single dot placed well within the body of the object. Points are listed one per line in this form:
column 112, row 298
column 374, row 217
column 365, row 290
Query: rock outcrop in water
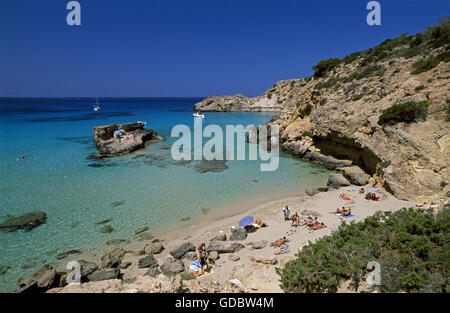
column 333, row 118
column 135, row 138
column 27, row 221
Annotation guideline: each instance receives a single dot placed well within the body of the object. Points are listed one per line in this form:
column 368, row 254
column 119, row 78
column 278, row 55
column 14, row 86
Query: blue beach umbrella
column 246, row 221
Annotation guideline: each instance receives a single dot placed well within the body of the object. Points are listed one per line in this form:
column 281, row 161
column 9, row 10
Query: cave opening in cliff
column 342, row 147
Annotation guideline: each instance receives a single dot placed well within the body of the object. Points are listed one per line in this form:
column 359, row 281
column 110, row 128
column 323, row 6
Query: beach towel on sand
column 196, row 267
column 348, row 216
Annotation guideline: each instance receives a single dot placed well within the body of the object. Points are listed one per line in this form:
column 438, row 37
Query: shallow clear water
column 56, row 136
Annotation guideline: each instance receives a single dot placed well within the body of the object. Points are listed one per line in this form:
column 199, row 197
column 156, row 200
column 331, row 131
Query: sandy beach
column 254, row 268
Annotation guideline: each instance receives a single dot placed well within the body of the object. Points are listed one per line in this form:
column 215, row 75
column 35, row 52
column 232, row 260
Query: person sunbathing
column 310, row 224
column 346, row 212
column 317, row 226
column 279, row 242
column 361, row 191
column 343, row 196
column 260, row 223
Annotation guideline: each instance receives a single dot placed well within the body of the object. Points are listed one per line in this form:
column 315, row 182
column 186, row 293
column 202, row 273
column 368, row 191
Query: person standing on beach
column 286, row 213
column 202, row 255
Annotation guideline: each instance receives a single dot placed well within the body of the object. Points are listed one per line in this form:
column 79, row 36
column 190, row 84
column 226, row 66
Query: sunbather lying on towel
column 260, row 223
column 315, row 224
column 279, row 242
column 346, row 212
column 344, row 197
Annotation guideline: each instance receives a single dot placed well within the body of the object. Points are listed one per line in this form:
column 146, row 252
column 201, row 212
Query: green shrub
column 410, row 52
column 444, row 56
column 306, row 111
column 412, row 247
column 404, row 112
column 323, row 101
column 325, row 66
column 307, row 134
column 328, row 83
column 357, row 97
column 351, row 57
column 187, row 276
column 424, row 65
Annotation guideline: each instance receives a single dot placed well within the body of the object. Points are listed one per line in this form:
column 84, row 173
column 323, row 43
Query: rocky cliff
column 334, row 116
column 239, row 103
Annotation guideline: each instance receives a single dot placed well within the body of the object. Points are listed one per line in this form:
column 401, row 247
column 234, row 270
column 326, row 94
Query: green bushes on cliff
column 411, row 246
column 404, row 112
column 325, row 66
column 424, row 65
column 306, row 111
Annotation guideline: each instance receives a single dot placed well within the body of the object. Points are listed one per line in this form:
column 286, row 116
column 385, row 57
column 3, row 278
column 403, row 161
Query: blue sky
column 140, row 48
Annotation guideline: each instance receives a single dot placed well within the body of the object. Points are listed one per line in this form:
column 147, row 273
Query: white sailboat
column 96, row 107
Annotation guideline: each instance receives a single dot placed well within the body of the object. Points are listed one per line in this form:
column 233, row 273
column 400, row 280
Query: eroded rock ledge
column 238, row 103
column 134, row 138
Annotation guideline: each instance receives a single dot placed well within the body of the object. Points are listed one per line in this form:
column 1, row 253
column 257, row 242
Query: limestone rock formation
column 237, row 103
column 42, row 280
column 135, row 138
column 333, row 118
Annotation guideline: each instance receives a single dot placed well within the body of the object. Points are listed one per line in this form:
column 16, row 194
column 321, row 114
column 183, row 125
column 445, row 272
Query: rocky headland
column 134, row 138
column 381, row 115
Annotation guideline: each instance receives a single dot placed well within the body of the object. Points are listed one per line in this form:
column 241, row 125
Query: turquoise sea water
column 56, row 136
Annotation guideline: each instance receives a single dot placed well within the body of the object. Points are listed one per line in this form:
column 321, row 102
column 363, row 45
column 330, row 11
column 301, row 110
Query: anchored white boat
column 198, row 115
column 96, row 107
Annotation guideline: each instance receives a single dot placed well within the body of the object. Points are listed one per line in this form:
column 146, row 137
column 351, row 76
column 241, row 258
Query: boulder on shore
column 148, row 261
column 104, row 274
column 42, row 280
column 238, row 234
column 219, row 237
column 112, row 259
column 154, row 248
column 337, row 180
column 172, row 266
column 311, row 191
column 178, row 253
column 27, row 221
column 87, row 268
column 225, row 246
column 355, row 175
